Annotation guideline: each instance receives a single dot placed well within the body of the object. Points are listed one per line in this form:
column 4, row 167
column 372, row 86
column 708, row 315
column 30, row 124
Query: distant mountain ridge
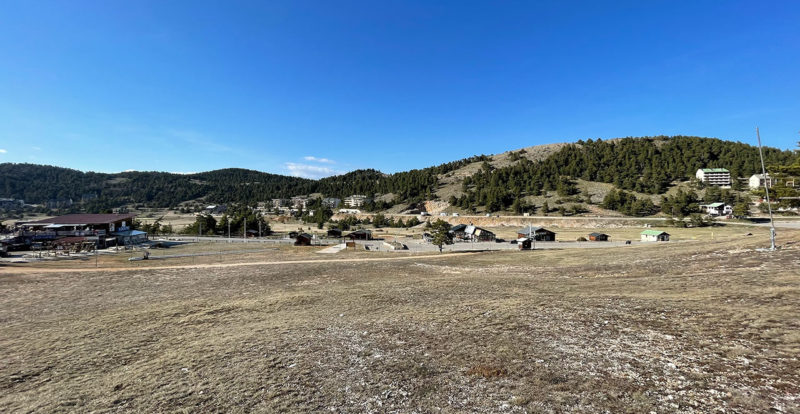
column 646, row 165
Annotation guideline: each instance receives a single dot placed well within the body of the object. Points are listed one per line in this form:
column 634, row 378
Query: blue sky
column 315, row 88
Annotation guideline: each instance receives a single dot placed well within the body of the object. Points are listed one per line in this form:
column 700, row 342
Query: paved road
column 778, row 224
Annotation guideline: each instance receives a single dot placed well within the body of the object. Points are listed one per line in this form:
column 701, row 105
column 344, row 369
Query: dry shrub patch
column 487, row 371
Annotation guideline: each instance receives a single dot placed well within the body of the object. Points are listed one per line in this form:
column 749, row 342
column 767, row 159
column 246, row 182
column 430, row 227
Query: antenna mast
column 766, row 188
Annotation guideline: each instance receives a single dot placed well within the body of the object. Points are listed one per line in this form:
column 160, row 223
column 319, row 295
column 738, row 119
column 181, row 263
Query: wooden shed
column 598, row 237
column 303, row 239
column 538, row 233
column 360, row 235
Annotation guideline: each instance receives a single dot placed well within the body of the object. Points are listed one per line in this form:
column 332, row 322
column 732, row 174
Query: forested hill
column 647, row 165
column 39, row 183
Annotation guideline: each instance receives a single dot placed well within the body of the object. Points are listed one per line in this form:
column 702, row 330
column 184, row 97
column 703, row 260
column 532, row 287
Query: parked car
column 455, row 214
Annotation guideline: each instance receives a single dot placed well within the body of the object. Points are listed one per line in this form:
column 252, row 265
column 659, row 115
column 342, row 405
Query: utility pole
column 229, row 230
column 766, row 189
column 244, row 230
column 259, row 229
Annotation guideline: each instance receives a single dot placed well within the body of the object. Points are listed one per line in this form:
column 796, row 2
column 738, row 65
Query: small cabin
column 654, row 236
column 598, row 237
column 360, row 235
column 524, row 243
column 537, row 233
column 334, row 233
column 303, row 239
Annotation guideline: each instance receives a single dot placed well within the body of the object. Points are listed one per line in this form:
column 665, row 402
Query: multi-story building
column 279, row 202
column 299, row 202
column 714, row 176
column 355, row 200
column 758, row 181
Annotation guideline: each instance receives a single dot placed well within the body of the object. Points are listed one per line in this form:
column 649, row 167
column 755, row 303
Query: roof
column 598, row 234
column 654, row 232
column 525, row 230
column 83, row 219
column 129, row 233
column 469, row 229
column 715, row 170
column 714, row 205
column 362, row 231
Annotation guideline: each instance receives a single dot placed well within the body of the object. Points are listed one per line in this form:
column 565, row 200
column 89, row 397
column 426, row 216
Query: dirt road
column 34, row 270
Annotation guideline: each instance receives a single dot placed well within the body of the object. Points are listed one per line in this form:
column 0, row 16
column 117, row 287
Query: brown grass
column 686, row 327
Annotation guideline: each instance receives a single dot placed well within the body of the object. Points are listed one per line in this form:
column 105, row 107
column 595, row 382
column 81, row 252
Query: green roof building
column 654, row 236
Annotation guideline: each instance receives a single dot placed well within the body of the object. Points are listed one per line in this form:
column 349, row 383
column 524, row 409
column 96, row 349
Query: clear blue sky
column 313, row 88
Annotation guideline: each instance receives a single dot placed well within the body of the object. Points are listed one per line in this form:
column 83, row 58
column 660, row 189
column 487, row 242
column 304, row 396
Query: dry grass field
column 676, row 327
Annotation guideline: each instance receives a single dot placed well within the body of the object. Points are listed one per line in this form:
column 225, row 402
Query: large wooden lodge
column 105, row 230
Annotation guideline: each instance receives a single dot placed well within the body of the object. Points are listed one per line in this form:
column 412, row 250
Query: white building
column 355, row 200
column 714, row 176
column 758, row 181
column 299, row 202
column 717, row 209
column 215, row 209
column 654, row 236
column 279, row 202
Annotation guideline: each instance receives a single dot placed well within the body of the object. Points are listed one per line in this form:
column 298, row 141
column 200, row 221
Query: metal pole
column 229, row 230
column 766, row 189
column 244, row 230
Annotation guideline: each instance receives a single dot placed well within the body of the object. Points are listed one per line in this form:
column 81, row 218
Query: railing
column 62, row 233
